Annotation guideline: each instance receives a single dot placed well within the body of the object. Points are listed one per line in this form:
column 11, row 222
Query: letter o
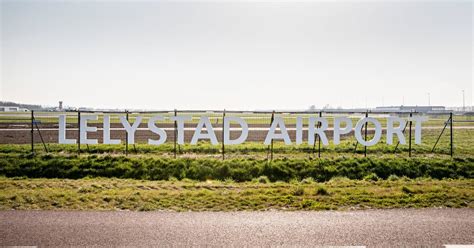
column 378, row 131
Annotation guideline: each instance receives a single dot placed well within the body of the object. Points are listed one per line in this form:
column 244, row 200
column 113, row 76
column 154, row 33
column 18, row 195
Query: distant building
column 418, row 109
column 12, row 109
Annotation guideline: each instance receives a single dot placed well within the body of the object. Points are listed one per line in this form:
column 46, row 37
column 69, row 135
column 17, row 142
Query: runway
column 380, row 228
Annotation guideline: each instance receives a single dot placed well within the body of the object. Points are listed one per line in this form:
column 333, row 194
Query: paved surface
column 367, row 228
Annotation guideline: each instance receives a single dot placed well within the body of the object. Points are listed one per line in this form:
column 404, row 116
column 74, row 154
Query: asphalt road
column 412, row 227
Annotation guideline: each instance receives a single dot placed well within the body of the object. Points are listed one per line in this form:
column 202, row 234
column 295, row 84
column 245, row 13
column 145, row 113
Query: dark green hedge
column 59, row 166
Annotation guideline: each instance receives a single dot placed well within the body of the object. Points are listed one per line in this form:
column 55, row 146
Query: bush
column 407, row 190
column 262, row 179
column 229, row 181
column 393, row 178
column 308, row 180
column 294, row 181
column 239, row 170
column 372, row 177
column 298, row 191
column 321, row 191
column 339, row 179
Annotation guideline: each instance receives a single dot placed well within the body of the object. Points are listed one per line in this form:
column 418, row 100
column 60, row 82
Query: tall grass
column 239, row 170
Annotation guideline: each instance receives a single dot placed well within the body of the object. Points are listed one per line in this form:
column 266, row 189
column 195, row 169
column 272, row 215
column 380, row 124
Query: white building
column 12, row 109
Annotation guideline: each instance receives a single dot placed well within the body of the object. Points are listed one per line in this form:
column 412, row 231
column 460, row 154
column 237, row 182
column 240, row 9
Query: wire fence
column 442, row 133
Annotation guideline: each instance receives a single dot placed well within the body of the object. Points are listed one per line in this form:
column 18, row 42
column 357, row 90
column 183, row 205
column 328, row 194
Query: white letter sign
column 271, row 135
column 358, row 130
column 131, row 129
column 85, row 129
column 155, row 129
column 106, row 132
column 243, row 135
column 277, row 131
column 62, row 131
column 204, row 122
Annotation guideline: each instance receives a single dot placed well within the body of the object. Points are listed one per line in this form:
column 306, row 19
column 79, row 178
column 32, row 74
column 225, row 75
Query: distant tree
column 327, row 106
column 27, row 106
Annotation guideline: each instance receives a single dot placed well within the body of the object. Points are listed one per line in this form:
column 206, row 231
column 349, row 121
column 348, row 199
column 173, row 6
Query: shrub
column 308, row 180
column 340, row 170
column 340, row 179
column 229, row 180
column 407, row 190
column 187, row 180
column 262, row 179
column 393, row 178
column 298, row 191
column 294, row 181
column 372, row 177
column 172, row 179
column 321, row 191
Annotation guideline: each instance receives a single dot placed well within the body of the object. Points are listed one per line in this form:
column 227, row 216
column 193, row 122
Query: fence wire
column 41, row 130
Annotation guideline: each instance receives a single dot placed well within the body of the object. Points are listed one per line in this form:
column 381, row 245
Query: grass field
column 142, row 195
column 150, row 178
column 151, row 167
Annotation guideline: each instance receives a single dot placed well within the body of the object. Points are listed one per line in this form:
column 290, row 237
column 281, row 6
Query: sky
column 238, row 55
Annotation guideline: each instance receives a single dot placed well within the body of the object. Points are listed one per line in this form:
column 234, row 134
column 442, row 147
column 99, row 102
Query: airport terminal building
column 418, row 109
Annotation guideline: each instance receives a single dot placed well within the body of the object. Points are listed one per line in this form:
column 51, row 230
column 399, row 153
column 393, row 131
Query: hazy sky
column 236, row 55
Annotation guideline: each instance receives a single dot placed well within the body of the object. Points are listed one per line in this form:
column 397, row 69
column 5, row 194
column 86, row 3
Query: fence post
column 315, row 137
column 365, row 135
column 126, row 135
column 409, row 136
column 32, row 133
column 319, row 138
column 451, row 131
column 175, row 132
column 223, row 126
column 271, row 143
column 78, row 131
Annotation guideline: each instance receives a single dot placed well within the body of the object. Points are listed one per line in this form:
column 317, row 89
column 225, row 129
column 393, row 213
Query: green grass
column 185, row 195
column 238, row 169
column 149, row 178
